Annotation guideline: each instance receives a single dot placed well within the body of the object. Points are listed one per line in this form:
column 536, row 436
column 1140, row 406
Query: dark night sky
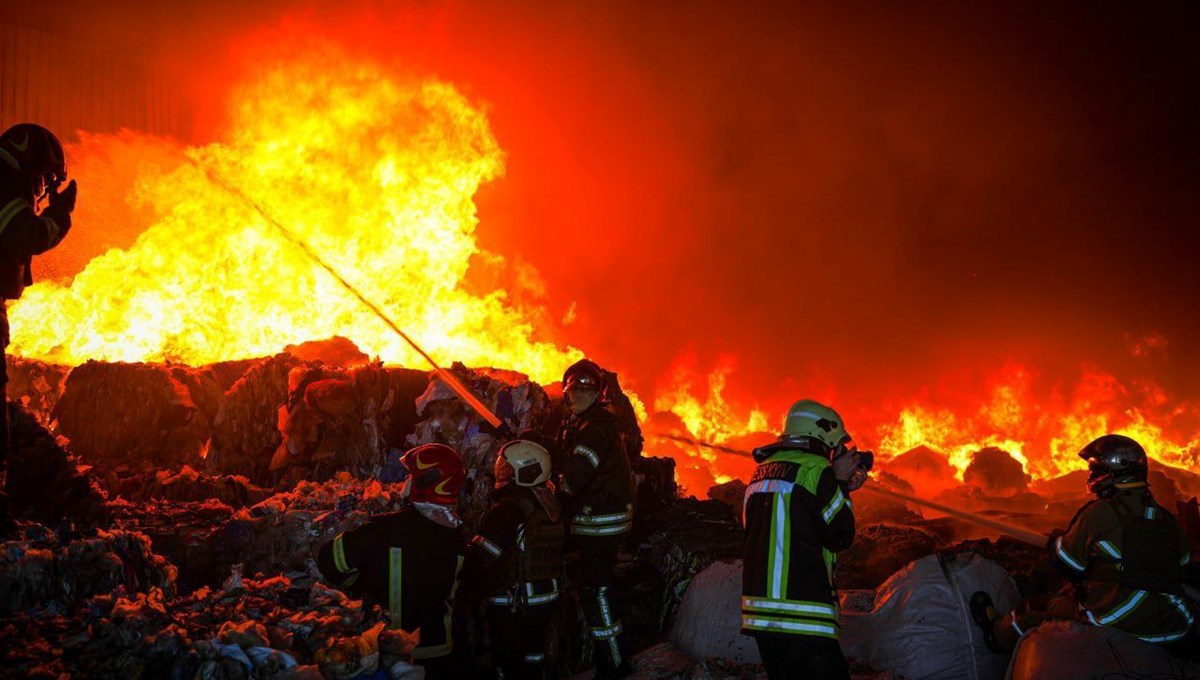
column 866, row 195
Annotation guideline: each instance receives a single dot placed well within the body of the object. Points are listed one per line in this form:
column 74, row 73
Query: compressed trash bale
column 36, row 385
column 245, row 429
column 878, row 551
column 335, row 351
column 279, row 534
column 398, row 390
column 181, row 531
column 204, row 388
column 45, row 483
column 731, row 494
column 39, row 569
column 211, row 633
column 447, row 420
column 134, row 416
column 681, row 541
column 656, row 487
column 187, row 484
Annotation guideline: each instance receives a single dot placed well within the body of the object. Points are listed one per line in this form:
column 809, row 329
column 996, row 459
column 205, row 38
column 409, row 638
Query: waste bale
column 656, row 487
column 681, row 541
column 245, row 429
column 281, row 533
column 181, row 531
column 732, row 495
column 205, row 388
column 287, row 420
column 266, row 628
column 40, row 568
column 446, row 419
column 873, row 508
column 878, row 551
column 133, row 416
column 36, row 385
column 45, row 483
column 1069, row 650
column 187, row 484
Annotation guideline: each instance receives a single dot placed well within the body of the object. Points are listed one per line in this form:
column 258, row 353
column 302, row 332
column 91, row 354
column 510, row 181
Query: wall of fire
column 69, row 84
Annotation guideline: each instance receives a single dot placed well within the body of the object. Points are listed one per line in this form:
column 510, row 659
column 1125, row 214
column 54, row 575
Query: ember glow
column 377, row 172
column 1042, row 428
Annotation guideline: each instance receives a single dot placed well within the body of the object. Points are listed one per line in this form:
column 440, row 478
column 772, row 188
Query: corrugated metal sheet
column 68, row 85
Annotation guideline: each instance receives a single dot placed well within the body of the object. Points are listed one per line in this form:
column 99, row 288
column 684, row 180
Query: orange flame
column 376, row 173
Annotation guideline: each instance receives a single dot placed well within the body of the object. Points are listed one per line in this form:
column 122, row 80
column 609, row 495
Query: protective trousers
column 801, row 656
column 598, row 560
column 519, row 640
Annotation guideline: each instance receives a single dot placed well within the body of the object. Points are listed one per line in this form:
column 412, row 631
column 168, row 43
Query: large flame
column 1043, row 429
column 376, row 173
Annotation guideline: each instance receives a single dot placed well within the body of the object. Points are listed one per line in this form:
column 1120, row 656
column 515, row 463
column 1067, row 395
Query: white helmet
column 524, row 462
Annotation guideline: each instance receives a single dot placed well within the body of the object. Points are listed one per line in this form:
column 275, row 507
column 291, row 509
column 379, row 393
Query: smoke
column 861, row 204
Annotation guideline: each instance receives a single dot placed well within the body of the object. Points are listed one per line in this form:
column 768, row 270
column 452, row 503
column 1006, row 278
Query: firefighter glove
column 64, row 199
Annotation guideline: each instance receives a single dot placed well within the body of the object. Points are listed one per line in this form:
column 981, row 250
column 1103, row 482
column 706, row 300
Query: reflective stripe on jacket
column 797, row 515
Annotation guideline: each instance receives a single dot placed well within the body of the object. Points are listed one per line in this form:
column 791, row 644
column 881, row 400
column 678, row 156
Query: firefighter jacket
column 408, row 563
column 516, row 558
column 1127, row 554
column 23, row 234
column 596, row 479
column 797, row 515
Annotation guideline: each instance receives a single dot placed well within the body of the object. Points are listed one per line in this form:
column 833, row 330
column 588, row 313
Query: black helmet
column 584, row 373
column 1114, row 462
column 34, row 153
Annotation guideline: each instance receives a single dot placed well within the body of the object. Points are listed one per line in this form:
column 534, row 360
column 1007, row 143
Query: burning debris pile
column 242, row 470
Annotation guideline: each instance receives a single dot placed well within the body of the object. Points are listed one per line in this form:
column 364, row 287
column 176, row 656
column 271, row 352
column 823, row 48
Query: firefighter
column 32, row 168
column 409, row 561
column 1123, row 553
column 597, row 488
column 515, row 560
column 797, row 516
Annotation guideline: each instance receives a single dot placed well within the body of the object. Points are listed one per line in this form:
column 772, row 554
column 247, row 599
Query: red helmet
column 436, row 474
column 33, row 152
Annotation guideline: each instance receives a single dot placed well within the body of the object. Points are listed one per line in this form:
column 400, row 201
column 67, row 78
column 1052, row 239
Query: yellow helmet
column 811, row 419
column 524, row 462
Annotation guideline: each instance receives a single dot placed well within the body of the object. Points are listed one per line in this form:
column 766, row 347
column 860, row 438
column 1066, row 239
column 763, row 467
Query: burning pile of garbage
column 185, row 540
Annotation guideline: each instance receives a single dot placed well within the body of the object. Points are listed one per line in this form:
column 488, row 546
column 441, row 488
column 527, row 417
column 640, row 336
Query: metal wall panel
column 70, row 85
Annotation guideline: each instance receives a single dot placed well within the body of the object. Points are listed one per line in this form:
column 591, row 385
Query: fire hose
column 449, row 378
column 1018, row 533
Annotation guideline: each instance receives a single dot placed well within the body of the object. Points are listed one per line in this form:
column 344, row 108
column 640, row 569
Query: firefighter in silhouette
column 798, row 515
column 515, row 561
column 32, row 170
column 409, row 561
column 597, row 488
column 1123, row 553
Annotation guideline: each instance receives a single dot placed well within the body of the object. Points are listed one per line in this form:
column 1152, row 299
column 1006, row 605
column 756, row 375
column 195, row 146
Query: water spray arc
column 446, row 376
column 1024, row 535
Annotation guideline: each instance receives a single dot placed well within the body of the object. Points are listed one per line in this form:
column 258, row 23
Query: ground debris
column 269, row 628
